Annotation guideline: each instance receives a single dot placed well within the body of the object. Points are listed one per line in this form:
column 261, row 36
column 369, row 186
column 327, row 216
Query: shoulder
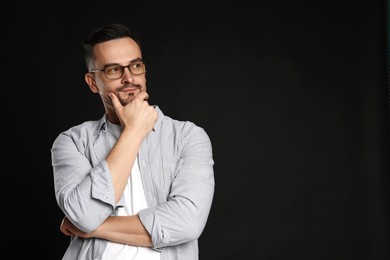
column 85, row 128
column 180, row 129
column 80, row 133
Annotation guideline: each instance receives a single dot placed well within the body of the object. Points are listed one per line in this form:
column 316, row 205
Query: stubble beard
column 123, row 101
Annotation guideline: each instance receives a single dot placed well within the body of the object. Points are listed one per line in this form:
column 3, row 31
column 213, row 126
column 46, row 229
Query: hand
column 137, row 114
column 69, row 229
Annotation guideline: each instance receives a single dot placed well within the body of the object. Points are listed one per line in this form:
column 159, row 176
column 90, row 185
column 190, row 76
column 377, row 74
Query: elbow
column 195, row 230
column 191, row 230
column 83, row 222
column 192, row 235
column 83, row 219
column 86, row 226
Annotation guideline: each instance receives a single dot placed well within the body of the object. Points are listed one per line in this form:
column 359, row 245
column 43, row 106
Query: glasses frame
column 144, row 62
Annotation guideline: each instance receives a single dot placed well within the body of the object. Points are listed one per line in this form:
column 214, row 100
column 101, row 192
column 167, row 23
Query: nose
column 127, row 75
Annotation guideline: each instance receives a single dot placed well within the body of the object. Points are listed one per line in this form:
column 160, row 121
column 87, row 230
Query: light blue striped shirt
column 176, row 166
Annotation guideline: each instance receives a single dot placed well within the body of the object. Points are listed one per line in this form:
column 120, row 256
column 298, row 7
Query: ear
column 90, row 79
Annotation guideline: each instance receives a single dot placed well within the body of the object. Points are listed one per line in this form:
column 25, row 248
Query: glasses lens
column 114, row 71
column 137, row 67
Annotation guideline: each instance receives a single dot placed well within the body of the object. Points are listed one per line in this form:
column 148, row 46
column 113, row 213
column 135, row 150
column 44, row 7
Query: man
column 135, row 184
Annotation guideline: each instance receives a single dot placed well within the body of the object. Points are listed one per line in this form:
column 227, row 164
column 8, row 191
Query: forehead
column 116, row 51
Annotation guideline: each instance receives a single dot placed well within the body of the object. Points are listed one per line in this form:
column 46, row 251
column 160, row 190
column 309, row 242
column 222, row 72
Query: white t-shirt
column 134, row 201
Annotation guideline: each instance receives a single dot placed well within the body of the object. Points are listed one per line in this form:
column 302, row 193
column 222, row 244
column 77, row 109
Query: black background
column 293, row 95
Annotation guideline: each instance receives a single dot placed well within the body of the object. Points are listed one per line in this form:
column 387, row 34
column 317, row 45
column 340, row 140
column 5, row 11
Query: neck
column 113, row 118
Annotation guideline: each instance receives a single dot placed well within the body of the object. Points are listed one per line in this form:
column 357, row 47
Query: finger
column 65, row 231
column 115, row 101
column 142, row 95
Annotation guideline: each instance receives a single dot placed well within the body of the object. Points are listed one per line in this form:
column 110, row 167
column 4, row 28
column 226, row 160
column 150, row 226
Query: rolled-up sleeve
column 83, row 188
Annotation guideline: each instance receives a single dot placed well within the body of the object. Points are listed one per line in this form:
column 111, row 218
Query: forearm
column 137, row 119
column 123, row 229
column 121, row 159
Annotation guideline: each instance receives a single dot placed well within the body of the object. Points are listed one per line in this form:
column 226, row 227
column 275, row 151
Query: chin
column 126, row 101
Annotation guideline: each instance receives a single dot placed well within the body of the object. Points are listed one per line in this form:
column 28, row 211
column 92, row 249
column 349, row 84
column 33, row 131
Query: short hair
column 103, row 34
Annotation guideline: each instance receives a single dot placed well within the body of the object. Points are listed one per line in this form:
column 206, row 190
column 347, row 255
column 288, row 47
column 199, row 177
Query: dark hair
column 103, row 34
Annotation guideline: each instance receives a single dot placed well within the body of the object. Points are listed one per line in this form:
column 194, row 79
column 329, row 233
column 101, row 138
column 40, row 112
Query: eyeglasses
column 116, row 71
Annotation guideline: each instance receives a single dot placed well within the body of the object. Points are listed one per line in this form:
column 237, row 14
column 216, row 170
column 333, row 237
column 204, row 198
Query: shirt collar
column 103, row 125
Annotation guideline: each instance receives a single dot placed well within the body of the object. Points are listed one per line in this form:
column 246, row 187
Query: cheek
column 102, row 87
column 101, row 91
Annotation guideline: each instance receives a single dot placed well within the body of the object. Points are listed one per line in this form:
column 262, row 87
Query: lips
column 131, row 89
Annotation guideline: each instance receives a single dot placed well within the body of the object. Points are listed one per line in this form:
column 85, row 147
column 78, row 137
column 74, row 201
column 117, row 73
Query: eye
column 113, row 69
column 136, row 65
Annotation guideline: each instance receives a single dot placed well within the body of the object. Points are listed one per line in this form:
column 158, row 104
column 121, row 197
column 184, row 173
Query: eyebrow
column 110, row 64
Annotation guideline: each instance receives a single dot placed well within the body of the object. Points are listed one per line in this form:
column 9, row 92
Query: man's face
column 122, row 52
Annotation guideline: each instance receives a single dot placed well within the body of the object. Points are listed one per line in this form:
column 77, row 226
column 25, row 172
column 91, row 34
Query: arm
column 88, row 182
column 120, row 229
column 137, row 119
column 183, row 216
column 182, row 212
